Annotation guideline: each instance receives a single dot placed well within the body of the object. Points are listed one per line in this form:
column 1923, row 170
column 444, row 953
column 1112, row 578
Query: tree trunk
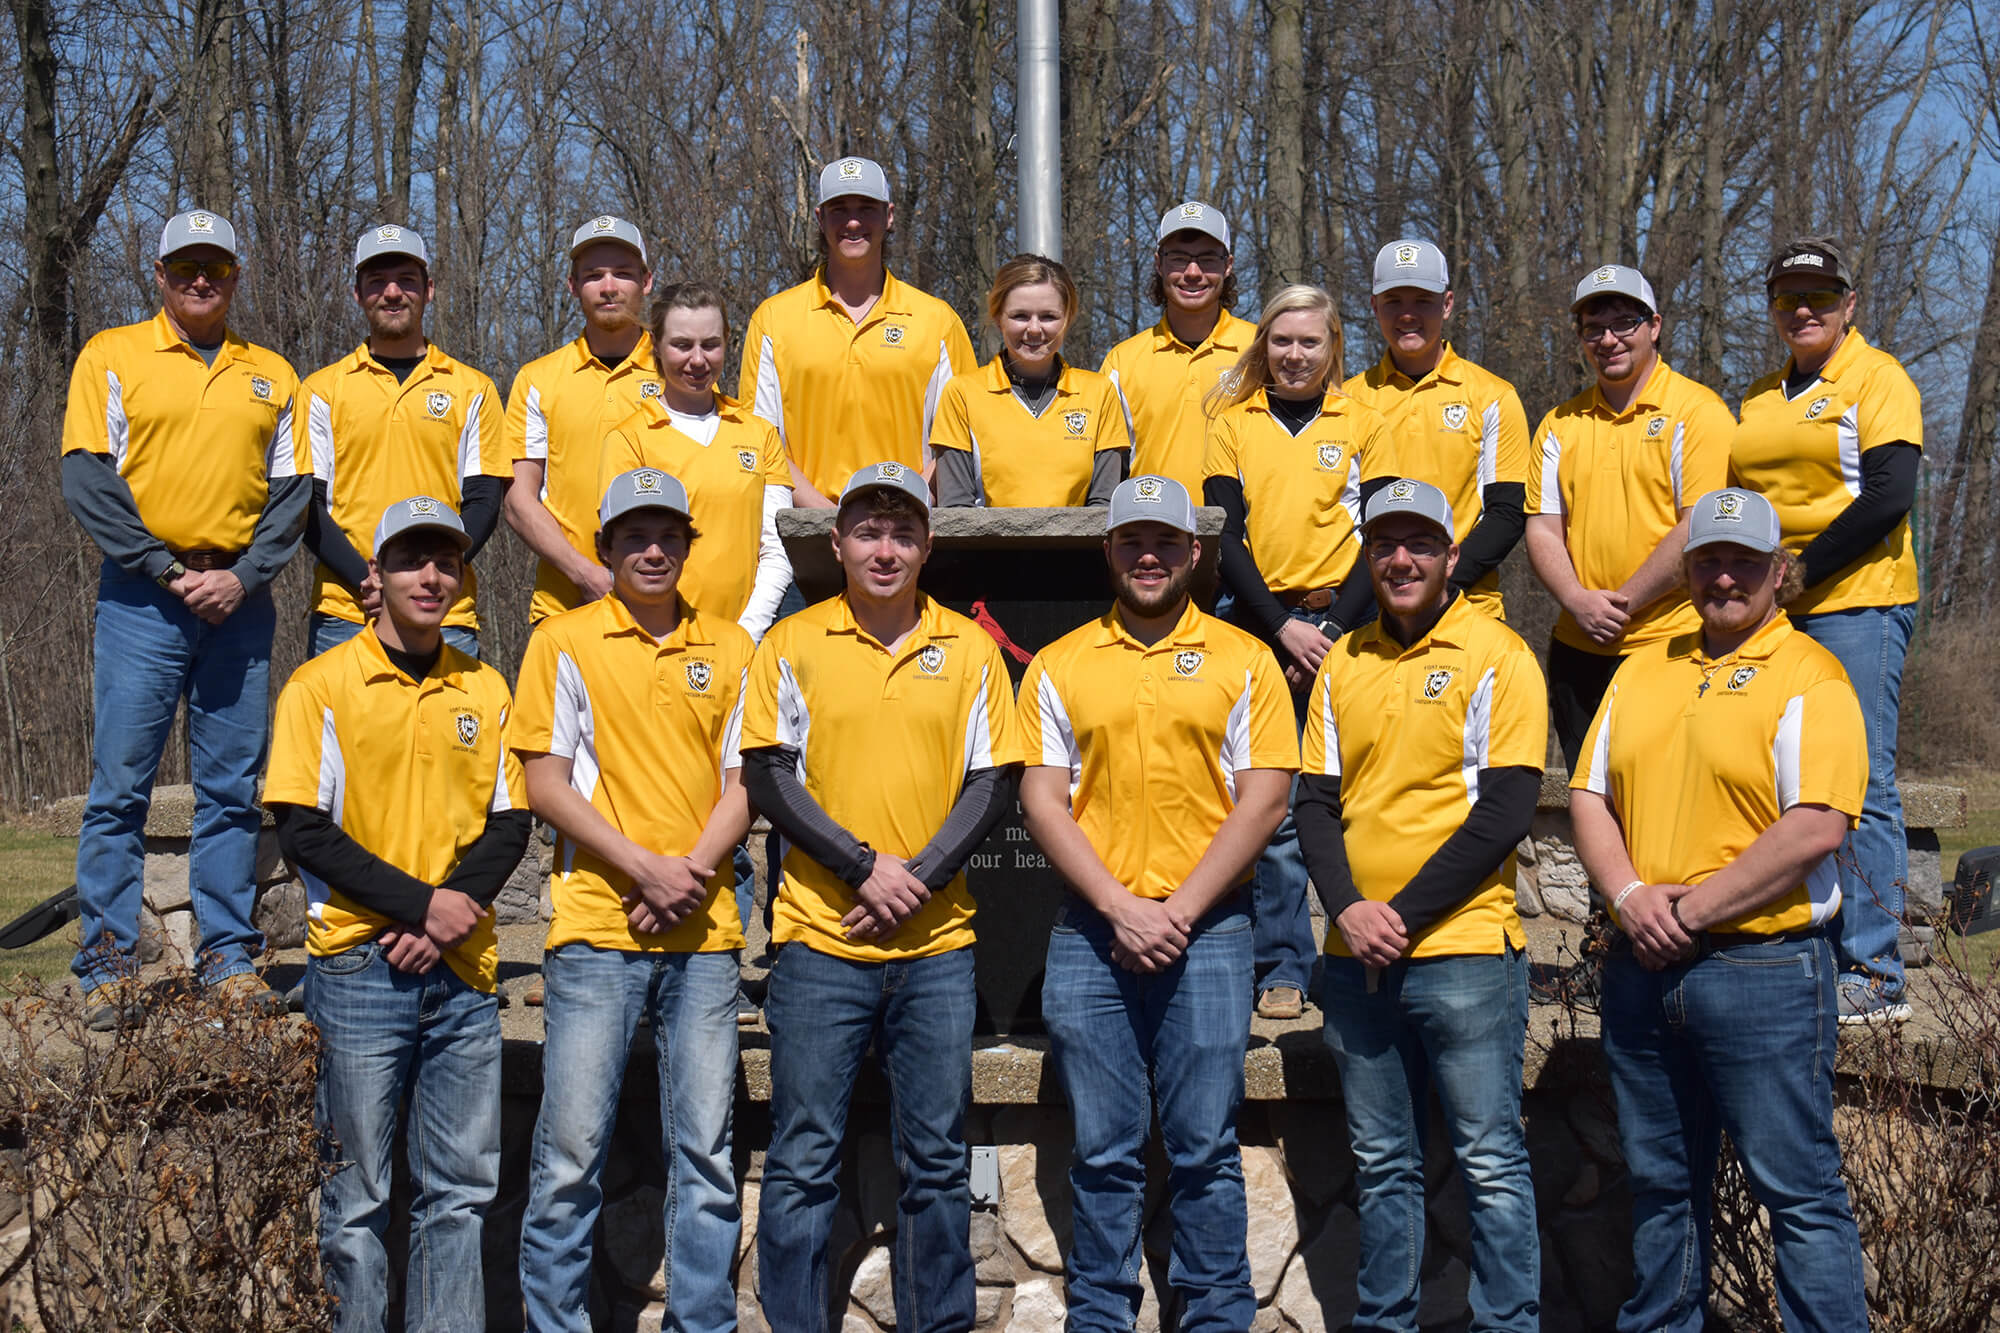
column 409, row 77
column 1284, row 139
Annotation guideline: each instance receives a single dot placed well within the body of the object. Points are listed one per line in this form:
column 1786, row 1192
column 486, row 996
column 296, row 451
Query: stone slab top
column 996, row 527
column 171, row 814
column 1931, row 805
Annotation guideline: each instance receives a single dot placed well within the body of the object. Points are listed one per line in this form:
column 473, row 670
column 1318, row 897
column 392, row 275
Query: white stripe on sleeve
column 1600, row 754
column 933, row 391
column 1059, row 747
column 1550, row 500
column 1329, row 731
column 794, row 718
column 979, row 726
column 281, row 454
column 1674, row 462
column 117, row 428
column 1847, row 434
column 319, row 435
column 732, row 730
column 1236, row 736
column 468, row 438
column 1489, row 445
column 770, row 402
column 1477, row 748
column 502, row 798
column 1785, row 752
column 573, row 726
column 535, row 435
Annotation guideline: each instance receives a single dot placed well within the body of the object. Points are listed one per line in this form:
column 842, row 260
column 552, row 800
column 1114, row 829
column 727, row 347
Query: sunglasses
column 1421, row 548
column 1819, row 301
column 1622, row 327
column 187, row 270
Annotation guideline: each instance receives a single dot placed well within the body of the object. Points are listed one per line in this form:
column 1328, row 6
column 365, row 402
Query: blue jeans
column 1459, row 1023
column 1183, row 1032
column 324, row 632
column 1740, row 1041
column 151, row 652
column 595, row 999
column 386, row 1035
column 1285, row 946
column 1870, row 642
column 824, row 1012
column 746, row 885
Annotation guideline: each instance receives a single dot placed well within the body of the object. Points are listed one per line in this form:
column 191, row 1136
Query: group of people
column 1355, row 714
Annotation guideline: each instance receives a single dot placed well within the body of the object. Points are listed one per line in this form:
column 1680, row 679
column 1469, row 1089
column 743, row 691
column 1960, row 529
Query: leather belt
column 208, row 557
column 1318, row 599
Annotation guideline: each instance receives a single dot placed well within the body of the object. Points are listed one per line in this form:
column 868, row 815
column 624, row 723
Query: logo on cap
column 931, row 660
column 698, row 675
column 1074, row 422
column 747, row 459
column 423, row 507
column 1805, row 259
column 1454, row 416
column 1148, row 490
column 1406, row 256
column 1187, row 662
column 1437, row 682
column 1402, row 490
column 1654, row 427
column 1729, row 508
column 388, row 233
column 468, row 729
column 1329, row 457
column 850, row 168
column 650, row 388
column 1192, row 210
column 1604, row 275
column 1818, row 406
column 647, row 483
column 892, row 334
column 889, row 471
column 1742, row 676
column 261, row 387
column 201, row 223
column 437, row 404
column 603, row 222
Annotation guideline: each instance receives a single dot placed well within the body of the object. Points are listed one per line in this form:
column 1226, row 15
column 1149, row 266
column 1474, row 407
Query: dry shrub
column 171, row 1170
column 1950, row 680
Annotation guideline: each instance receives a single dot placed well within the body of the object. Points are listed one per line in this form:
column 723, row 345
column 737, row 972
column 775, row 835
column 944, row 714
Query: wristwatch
column 169, row 574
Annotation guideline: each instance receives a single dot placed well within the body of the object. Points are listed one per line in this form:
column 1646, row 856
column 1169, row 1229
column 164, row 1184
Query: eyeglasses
column 1622, row 327
column 1819, row 300
column 187, row 270
column 1420, row 548
column 1211, row 261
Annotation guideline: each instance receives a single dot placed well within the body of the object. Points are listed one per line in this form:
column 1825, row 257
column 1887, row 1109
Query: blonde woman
column 1028, row 429
column 1283, row 461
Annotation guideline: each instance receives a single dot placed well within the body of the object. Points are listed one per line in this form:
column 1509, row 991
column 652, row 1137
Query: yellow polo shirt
column 1407, row 730
column 1026, row 461
column 199, row 445
column 375, row 441
column 844, row 395
column 1460, row 428
column 1162, row 382
column 1153, row 737
column 558, row 413
column 1699, row 755
column 1804, row 454
column 885, row 741
column 429, row 762
column 1303, row 491
column 1619, row 481
column 725, row 481
column 650, row 726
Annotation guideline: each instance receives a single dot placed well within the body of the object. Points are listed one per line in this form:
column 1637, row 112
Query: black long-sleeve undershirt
column 479, row 502
column 770, row 778
column 1497, row 822
column 316, row 843
column 1888, row 490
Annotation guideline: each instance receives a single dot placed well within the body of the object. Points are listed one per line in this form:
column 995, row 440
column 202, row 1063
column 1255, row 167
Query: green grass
column 34, row 866
column 1977, row 953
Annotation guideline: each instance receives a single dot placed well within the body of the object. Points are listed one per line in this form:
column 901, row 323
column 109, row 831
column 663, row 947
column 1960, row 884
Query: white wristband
column 1624, row 893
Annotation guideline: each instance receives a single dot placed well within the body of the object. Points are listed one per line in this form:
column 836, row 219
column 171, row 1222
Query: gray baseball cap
column 390, row 239
column 1741, row 518
column 195, row 227
column 643, row 488
column 1405, row 495
column 605, row 227
column 1150, row 499
column 1614, row 280
column 853, row 175
column 889, row 477
column 1409, row 262
column 416, row 514
column 1194, row 215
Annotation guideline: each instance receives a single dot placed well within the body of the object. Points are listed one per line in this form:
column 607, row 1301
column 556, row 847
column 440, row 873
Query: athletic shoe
column 1862, row 1000
column 1282, row 1003
column 248, row 990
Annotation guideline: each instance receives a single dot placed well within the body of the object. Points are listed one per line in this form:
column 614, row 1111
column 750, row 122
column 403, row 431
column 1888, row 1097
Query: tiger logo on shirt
column 1437, row 682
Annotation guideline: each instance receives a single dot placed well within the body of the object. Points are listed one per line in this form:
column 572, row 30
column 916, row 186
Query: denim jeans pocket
column 350, row 961
column 1764, row 955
